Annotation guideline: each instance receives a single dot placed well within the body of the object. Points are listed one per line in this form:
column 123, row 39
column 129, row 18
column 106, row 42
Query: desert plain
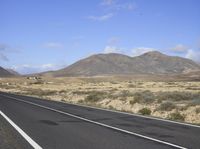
column 169, row 99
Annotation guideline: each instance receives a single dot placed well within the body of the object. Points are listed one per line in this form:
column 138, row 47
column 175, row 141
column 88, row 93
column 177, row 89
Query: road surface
column 57, row 125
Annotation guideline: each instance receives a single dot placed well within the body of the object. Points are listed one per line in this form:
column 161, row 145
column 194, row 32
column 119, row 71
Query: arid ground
column 175, row 100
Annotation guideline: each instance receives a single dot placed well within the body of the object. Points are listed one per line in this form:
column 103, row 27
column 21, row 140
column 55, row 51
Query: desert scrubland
column 174, row 100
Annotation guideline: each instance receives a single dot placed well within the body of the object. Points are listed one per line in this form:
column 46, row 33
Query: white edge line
column 115, row 111
column 132, row 114
column 100, row 124
column 26, row 137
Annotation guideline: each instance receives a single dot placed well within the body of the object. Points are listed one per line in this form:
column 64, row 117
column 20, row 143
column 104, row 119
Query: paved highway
column 56, row 125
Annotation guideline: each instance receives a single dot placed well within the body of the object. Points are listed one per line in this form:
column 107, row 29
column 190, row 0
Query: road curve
column 56, row 125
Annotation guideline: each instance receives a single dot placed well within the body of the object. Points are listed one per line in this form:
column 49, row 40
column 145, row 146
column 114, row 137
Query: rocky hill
column 117, row 64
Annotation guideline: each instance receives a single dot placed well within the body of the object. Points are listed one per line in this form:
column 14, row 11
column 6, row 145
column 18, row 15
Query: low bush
column 197, row 110
column 41, row 92
column 132, row 86
column 132, row 102
column 95, row 96
column 194, row 102
column 177, row 96
column 166, row 106
column 144, row 97
column 145, row 111
column 176, row 116
column 126, row 93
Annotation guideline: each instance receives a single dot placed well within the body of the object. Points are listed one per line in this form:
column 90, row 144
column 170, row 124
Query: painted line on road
column 98, row 123
column 132, row 114
column 24, row 135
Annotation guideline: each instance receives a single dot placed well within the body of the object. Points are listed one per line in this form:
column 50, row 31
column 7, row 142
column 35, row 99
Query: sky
column 41, row 35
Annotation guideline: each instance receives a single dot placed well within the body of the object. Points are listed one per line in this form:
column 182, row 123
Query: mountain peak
column 154, row 54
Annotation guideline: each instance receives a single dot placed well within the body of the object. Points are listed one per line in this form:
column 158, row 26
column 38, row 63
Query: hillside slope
column 114, row 64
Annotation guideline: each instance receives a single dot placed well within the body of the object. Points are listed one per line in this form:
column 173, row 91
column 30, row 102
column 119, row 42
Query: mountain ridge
column 5, row 73
column 153, row 62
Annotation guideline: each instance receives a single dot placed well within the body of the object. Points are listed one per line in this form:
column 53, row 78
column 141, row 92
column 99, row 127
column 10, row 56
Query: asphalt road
column 56, row 125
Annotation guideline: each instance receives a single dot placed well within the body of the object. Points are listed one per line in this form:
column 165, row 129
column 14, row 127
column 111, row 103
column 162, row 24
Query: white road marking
column 26, row 137
column 132, row 114
column 98, row 123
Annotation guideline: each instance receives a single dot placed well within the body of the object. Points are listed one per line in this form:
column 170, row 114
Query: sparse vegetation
column 41, row 92
column 111, row 107
column 177, row 96
column 95, row 96
column 194, row 102
column 145, row 111
column 161, row 98
column 144, row 97
column 166, row 106
column 132, row 102
column 197, row 110
column 132, row 86
column 176, row 116
column 125, row 93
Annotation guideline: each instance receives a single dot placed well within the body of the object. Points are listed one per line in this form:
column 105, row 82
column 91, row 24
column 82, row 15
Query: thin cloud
column 180, row 48
column 53, row 45
column 108, row 2
column 116, row 5
column 101, row 18
column 28, row 69
column 111, row 49
column 193, row 54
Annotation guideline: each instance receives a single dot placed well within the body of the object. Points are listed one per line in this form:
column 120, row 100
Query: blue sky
column 40, row 35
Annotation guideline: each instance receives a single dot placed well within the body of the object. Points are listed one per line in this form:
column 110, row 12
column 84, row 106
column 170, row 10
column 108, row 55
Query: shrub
column 125, row 93
column 63, row 100
column 177, row 96
column 132, row 86
column 145, row 111
column 41, row 92
column 167, row 106
column 111, row 107
column 197, row 110
column 176, row 116
column 144, row 97
column 95, row 96
column 194, row 102
column 132, row 102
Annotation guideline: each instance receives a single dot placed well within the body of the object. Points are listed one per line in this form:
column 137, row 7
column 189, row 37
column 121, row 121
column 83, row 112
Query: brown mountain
column 117, row 64
column 5, row 73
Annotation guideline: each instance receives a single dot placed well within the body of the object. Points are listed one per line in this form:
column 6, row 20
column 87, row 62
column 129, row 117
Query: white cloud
column 180, row 48
column 116, row 5
column 141, row 50
column 28, row 69
column 194, row 55
column 53, row 45
column 101, row 18
column 108, row 2
column 126, row 6
column 110, row 49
